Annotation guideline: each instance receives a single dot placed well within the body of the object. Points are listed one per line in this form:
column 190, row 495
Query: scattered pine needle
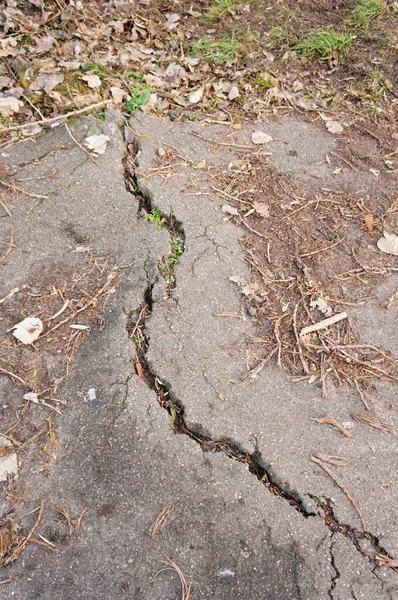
column 373, row 421
column 342, row 487
column 172, row 566
column 160, row 521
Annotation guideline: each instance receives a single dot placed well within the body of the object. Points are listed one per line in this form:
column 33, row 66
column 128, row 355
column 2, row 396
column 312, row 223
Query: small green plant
column 264, row 81
column 101, row 116
column 376, row 86
column 219, row 8
column 281, row 36
column 223, row 50
column 325, row 43
column 95, row 68
column 365, row 11
column 136, row 75
column 176, row 249
column 155, row 217
column 139, row 97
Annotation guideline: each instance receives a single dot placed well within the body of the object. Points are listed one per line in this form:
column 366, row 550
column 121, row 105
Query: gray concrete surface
column 230, row 536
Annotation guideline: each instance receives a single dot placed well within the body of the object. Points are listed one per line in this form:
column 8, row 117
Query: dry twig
column 10, row 246
column 331, row 421
column 25, row 542
column 80, row 111
column 91, row 157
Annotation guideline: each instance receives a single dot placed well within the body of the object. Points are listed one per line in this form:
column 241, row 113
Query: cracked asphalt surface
column 119, row 456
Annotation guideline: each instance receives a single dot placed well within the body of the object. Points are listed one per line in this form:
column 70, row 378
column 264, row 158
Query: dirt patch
column 220, row 60
column 311, row 259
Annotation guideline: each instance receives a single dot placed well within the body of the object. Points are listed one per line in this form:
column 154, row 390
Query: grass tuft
column 365, row 11
column 221, row 51
column 325, row 43
column 219, row 8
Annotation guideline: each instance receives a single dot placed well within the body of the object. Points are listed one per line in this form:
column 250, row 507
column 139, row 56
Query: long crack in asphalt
column 135, row 326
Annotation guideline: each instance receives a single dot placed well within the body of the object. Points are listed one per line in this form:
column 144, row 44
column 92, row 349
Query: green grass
column 281, row 36
column 95, row 68
column 219, row 8
column 221, row 51
column 376, row 86
column 264, row 81
column 325, row 43
column 365, row 11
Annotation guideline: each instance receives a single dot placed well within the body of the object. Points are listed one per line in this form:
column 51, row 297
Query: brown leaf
column 369, row 223
column 139, row 369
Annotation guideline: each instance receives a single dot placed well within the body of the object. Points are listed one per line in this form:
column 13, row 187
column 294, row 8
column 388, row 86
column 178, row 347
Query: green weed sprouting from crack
column 325, row 43
column 155, row 217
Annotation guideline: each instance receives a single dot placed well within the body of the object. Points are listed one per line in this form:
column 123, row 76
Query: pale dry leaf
column 261, row 209
column 28, row 330
column 8, row 460
column 118, row 94
column 388, row 243
column 259, row 137
column 32, row 397
column 48, row 81
column 229, row 210
column 44, row 44
column 196, row 96
column 375, row 172
column 334, row 127
column 93, row 81
column 9, row 106
column 233, row 93
column 97, row 143
column 322, row 306
column 30, row 130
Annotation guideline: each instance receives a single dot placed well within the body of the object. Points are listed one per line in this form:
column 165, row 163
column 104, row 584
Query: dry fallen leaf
column 196, row 96
column 9, row 106
column 261, row 209
column 139, row 369
column 8, row 460
column 334, row 127
column 233, row 93
column 32, row 397
column 229, row 210
column 369, row 223
column 28, row 330
column 322, row 306
column 93, row 81
column 259, row 137
column 389, row 243
column 118, row 94
column 97, row 143
column 47, row 82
